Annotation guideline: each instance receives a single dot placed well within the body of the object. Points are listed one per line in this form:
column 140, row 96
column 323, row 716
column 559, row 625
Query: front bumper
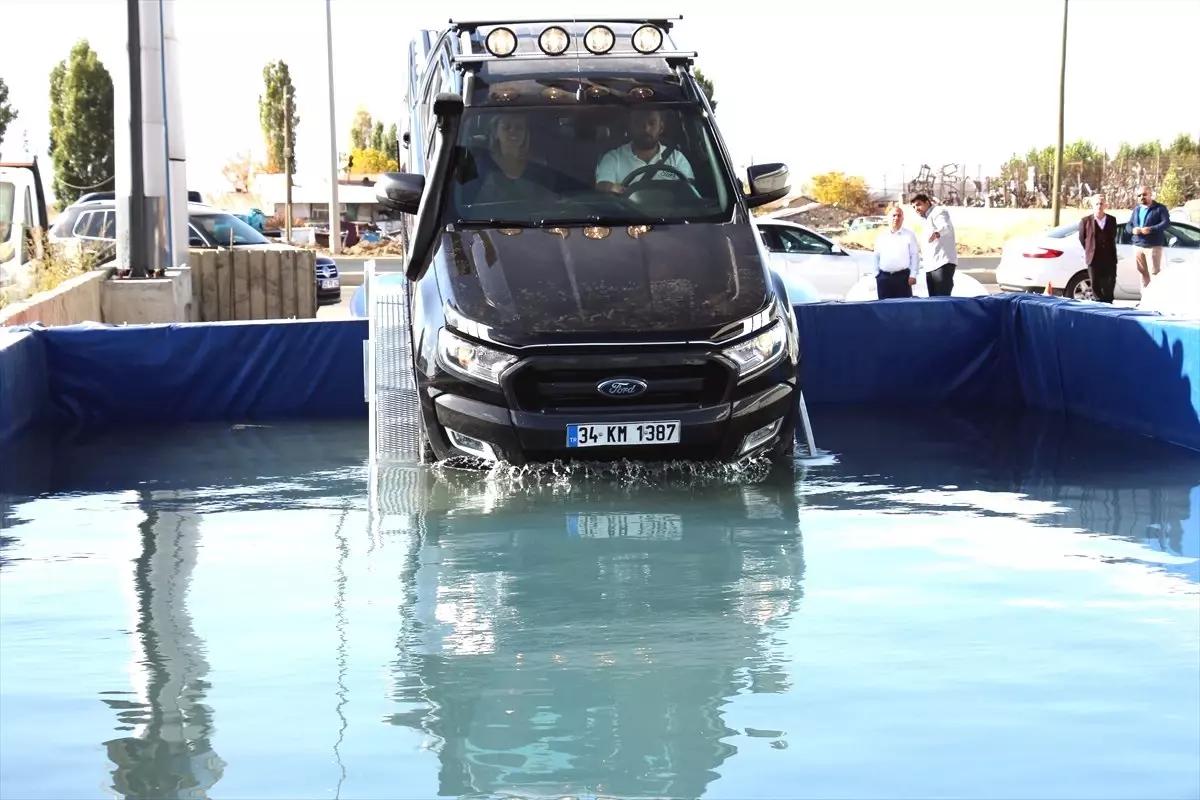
column 714, row 433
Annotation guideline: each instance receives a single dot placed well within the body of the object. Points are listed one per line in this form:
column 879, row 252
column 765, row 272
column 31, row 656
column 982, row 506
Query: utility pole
column 138, row 251
column 1062, row 91
column 335, row 209
column 287, row 166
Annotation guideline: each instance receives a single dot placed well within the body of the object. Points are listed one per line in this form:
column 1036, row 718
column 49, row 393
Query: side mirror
column 400, row 191
column 768, row 183
column 837, row 250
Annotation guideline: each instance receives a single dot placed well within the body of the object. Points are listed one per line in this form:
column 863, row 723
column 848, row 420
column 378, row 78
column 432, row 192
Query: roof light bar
column 647, row 39
column 554, row 41
column 599, row 39
column 501, row 42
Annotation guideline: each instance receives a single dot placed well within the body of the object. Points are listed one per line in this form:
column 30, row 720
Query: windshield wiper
column 495, row 223
column 596, row 219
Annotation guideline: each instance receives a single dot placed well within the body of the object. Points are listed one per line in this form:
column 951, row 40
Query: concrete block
column 152, row 300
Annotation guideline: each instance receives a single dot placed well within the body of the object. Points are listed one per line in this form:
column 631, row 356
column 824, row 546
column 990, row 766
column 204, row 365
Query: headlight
column 759, row 351
column 472, row 360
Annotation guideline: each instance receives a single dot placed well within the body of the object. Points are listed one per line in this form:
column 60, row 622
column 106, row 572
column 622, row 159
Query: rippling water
column 949, row 606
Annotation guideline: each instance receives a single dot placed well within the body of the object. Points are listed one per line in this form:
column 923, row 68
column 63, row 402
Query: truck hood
column 542, row 285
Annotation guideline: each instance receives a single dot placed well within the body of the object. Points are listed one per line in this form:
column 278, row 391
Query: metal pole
column 287, row 167
column 137, row 168
column 335, row 209
column 1062, row 93
column 809, row 441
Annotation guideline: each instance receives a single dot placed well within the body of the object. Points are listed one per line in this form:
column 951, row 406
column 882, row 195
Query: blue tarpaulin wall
column 1126, row 368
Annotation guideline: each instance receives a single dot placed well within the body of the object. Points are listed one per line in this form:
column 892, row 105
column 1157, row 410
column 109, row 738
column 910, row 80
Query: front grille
column 682, row 383
column 327, row 270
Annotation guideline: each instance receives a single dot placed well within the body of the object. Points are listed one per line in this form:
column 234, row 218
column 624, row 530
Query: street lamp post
column 1062, row 91
column 335, row 210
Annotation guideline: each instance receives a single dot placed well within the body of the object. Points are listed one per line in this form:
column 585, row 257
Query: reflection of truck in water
column 556, row 642
column 22, row 218
column 583, row 271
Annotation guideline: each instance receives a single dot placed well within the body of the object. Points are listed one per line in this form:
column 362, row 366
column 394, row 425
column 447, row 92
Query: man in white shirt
column 646, row 127
column 937, row 242
column 897, row 259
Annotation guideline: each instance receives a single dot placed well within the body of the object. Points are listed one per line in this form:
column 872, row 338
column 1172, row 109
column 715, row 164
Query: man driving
column 646, row 128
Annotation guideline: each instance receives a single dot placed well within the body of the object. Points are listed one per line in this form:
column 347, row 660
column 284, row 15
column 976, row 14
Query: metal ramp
column 391, row 386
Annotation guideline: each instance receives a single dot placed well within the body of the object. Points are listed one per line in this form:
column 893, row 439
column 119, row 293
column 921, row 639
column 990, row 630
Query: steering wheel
column 644, row 183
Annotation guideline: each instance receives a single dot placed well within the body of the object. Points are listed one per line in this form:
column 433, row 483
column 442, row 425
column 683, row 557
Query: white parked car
column 964, row 286
column 799, row 254
column 1056, row 257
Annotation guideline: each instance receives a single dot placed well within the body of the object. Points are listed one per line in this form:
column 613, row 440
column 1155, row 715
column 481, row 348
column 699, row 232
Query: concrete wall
column 73, row 301
column 253, row 284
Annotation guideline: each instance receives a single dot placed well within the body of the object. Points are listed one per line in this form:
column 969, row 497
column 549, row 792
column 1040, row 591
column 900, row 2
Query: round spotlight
column 647, row 39
column 501, row 42
column 554, row 41
column 599, row 39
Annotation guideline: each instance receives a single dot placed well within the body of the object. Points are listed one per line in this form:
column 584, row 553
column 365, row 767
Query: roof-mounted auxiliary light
column 647, row 39
column 554, row 41
column 501, row 42
column 599, row 39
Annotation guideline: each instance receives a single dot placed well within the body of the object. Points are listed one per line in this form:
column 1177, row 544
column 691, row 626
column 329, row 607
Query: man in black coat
column 1098, row 235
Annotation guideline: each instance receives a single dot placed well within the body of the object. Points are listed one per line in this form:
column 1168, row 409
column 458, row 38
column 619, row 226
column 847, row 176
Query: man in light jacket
column 1147, row 225
column 897, row 259
column 938, row 245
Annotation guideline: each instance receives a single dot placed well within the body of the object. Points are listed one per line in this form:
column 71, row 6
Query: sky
column 866, row 87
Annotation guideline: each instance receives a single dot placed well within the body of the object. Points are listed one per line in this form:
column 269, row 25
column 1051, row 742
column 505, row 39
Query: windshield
column 608, row 165
column 227, row 230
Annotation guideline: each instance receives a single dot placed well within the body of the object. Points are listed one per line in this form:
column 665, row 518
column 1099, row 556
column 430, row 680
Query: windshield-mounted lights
column 599, row 39
column 647, row 39
column 759, row 351
column 554, row 41
column 501, row 42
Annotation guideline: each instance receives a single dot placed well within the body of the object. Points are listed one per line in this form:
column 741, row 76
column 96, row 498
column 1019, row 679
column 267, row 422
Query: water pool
column 960, row 606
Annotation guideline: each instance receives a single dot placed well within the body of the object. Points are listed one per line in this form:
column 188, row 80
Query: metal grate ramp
column 391, row 384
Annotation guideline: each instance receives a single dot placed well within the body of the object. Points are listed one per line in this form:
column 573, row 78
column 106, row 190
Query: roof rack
column 477, row 58
column 470, row 26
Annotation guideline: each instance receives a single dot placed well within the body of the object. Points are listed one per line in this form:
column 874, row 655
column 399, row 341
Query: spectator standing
column 1098, row 235
column 1147, row 225
column 938, row 245
column 897, row 258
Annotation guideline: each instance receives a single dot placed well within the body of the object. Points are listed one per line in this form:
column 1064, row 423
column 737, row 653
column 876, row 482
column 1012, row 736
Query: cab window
column 1180, row 236
column 227, row 230
column 794, row 241
column 610, row 163
column 8, row 196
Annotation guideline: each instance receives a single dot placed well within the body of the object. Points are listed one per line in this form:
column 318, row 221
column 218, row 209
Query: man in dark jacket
column 1098, row 235
column 1146, row 225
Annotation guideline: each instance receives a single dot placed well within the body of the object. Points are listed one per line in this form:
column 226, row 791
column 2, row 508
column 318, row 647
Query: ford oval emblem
column 621, row 387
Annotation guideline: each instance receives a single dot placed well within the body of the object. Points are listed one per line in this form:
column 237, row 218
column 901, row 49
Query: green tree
column 1170, row 193
column 7, row 112
column 393, row 142
column 1143, row 150
column 707, row 85
column 360, row 130
column 272, row 111
column 377, row 138
column 1183, row 146
column 81, row 124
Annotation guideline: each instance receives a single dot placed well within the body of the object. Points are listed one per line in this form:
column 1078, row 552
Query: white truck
column 22, row 220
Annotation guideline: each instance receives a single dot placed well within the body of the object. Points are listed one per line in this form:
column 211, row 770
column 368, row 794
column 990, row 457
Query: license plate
column 624, row 434
column 330, row 283
column 625, row 526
